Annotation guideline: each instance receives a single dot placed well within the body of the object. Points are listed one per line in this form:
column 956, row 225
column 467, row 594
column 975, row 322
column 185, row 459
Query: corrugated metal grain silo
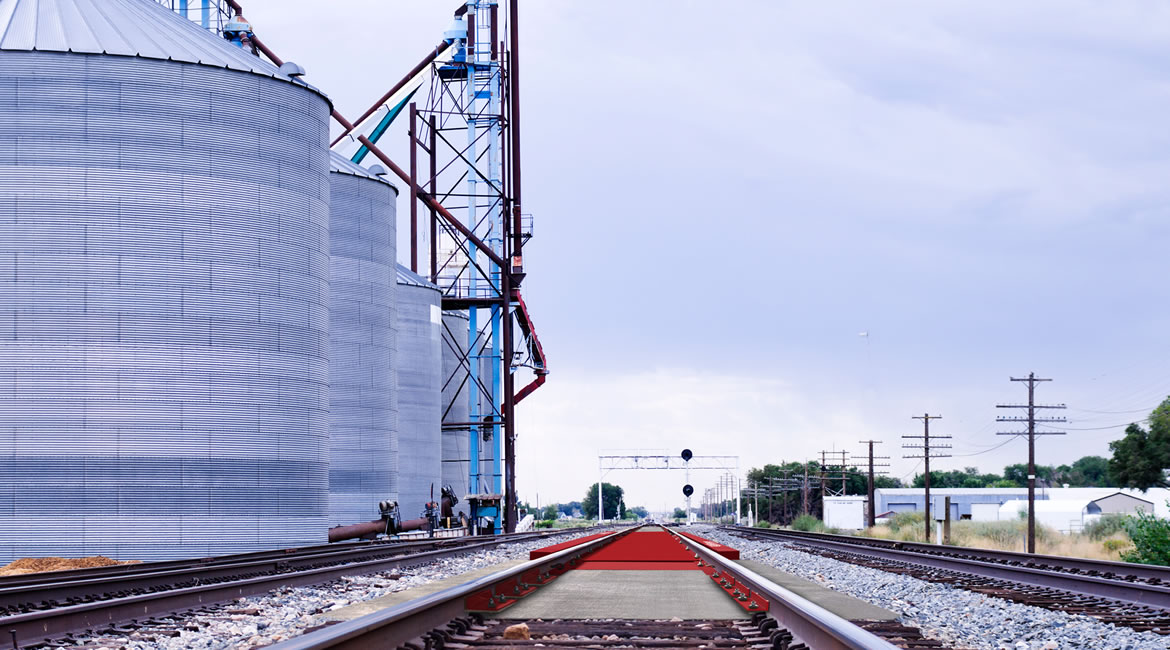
column 164, row 282
column 420, row 365
column 363, row 442
column 456, row 410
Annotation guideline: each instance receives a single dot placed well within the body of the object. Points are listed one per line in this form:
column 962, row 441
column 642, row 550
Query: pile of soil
column 41, row 564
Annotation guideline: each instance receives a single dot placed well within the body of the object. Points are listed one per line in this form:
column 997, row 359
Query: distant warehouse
column 1064, row 509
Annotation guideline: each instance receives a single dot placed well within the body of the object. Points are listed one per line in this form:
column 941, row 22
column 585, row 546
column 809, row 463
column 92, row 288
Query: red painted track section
column 549, row 550
column 653, row 550
column 725, row 551
column 657, row 550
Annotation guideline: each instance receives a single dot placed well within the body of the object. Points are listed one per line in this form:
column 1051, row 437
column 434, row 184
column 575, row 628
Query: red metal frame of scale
column 635, row 551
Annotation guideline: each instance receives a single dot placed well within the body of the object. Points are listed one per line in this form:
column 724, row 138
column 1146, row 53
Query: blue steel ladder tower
column 462, row 107
column 209, row 14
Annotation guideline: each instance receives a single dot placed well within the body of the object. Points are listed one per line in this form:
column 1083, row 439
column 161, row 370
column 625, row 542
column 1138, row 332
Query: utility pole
column 822, row 473
column 1032, row 420
column 926, row 447
column 871, row 508
column 804, row 501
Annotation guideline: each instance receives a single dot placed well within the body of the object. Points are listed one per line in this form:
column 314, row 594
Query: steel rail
column 1137, row 592
column 42, row 625
column 402, row 624
column 50, row 577
column 816, row 626
column 1055, row 562
column 113, row 570
column 49, row 588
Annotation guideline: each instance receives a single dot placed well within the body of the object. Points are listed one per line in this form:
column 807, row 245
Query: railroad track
column 471, row 615
column 1134, row 596
column 38, row 608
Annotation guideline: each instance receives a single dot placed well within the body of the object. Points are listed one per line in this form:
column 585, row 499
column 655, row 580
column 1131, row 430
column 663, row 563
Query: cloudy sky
column 727, row 194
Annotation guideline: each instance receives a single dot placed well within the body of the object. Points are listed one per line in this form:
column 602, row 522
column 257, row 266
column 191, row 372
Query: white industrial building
column 1064, row 509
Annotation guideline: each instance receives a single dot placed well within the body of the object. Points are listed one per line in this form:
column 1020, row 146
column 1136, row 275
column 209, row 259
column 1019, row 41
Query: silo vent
column 291, row 69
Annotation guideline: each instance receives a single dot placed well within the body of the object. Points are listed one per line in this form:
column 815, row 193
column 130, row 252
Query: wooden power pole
column 926, row 448
column 1032, row 421
column 871, row 507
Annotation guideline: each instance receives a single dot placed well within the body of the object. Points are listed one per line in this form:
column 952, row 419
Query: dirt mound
column 40, row 564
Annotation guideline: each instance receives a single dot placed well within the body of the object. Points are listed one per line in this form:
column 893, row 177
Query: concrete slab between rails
column 628, row 595
column 397, row 598
column 843, row 605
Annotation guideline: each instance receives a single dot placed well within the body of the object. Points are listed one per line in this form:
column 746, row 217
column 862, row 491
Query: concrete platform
column 843, row 605
column 628, row 594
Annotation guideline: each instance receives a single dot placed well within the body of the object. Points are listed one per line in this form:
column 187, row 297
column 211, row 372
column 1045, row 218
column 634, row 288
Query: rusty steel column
column 433, row 140
column 514, row 129
column 412, row 132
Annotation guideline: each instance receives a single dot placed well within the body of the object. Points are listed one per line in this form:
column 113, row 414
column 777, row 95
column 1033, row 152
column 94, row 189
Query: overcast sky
column 727, row 194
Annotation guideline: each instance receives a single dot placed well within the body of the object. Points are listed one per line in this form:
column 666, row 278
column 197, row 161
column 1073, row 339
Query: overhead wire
column 997, row 446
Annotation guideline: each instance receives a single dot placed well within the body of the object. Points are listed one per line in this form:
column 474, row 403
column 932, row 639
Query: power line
column 1005, row 442
column 1114, row 426
column 1147, row 410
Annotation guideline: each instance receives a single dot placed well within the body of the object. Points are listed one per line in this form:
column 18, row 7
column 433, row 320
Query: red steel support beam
column 412, row 132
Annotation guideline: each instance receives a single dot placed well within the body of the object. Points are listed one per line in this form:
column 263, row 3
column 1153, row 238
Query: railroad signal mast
column 1032, row 421
column 927, row 453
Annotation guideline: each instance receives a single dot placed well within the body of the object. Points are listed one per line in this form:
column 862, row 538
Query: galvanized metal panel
column 165, row 385
column 363, row 444
column 419, row 392
column 456, row 408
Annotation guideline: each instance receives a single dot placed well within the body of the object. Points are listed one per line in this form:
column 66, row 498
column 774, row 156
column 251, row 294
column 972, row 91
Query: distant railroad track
column 1132, row 595
column 42, row 606
column 455, row 616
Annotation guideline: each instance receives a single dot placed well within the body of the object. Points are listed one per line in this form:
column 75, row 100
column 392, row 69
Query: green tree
column 968, row 477
column 550, row 512
column 1091, row 471
column 613, row 505
column 639, row 512
column 679, row 513
column 1140, row 458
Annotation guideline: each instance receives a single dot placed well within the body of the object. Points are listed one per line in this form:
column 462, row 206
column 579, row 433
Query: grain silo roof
column 408, row 277
column 342, row 165
column 141, row 28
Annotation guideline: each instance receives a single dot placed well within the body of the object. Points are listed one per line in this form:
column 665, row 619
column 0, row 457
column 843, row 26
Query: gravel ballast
column 285, row 613
column 955, row 616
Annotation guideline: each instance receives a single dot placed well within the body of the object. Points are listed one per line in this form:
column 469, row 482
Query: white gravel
column 955, row 616
column 285, row 613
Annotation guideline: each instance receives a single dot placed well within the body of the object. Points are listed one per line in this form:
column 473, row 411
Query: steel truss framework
column 464, row 133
